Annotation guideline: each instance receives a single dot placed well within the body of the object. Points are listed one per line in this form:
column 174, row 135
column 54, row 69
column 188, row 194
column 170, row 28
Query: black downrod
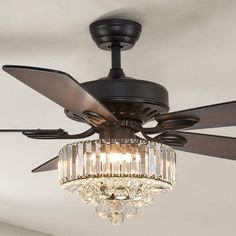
column 116, row 71
column 115, row 56
column 115, row 35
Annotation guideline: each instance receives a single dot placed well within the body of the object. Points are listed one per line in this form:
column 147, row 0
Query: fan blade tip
column 4, row 67
column 37, row 170
column 7, row 65
column 34, row 171
column 47, row 166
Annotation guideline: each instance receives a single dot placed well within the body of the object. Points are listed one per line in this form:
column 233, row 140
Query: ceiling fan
column 116, row 107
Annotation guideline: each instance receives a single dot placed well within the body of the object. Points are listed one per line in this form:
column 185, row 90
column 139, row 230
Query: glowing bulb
column 116, row 157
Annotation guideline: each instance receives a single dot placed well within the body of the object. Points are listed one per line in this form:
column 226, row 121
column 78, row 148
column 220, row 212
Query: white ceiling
column 186, row 45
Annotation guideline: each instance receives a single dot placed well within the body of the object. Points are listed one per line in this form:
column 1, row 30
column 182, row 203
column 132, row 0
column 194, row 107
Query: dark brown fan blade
column 47, row 166
column 211, row 145
column 61, row 88
column 212, row 116
column 39, row 133
column 218, row 115
column 50, row 133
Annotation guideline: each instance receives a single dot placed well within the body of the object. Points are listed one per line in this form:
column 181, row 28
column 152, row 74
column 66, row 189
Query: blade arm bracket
column 169, row 139
column 57, row 134
column 172, row 124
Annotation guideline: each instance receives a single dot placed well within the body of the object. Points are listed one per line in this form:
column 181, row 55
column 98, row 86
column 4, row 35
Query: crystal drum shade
column 117, row 175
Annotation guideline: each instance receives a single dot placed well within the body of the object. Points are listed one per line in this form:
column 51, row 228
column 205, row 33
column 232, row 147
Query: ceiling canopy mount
column 107, row 33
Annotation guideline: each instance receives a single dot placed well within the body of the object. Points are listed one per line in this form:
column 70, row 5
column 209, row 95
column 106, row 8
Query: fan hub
column 128, row 98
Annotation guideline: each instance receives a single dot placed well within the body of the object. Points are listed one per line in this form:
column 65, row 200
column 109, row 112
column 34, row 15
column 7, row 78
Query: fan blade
column 218, row 115
column 47, row 133
column 57, row 134
column 25, row 130
column 47, row 166
column 39, row 133
column 212, row 116
column 61, row 88
column 50, row 133
column 211, row 145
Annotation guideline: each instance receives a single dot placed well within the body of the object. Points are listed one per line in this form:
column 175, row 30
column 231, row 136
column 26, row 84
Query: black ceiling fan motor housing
column 128, row 98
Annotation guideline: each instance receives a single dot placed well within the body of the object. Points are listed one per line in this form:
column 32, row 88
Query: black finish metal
column 172, row 124
column 60, row 134
column 167, row 139
column 120, row 133
column 74, row 116
column 128, row 98
column 116, row 72
column 173, row 140
column 115, row 56
column 179, row 123
column 47, row 166
column 45, row 134
column 108, row 32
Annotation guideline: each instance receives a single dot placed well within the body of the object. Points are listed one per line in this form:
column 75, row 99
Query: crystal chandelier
column 117, row 176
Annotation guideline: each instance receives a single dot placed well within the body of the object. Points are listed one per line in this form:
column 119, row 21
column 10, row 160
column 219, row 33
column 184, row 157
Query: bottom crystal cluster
column 117, row 176
column 117, row 198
